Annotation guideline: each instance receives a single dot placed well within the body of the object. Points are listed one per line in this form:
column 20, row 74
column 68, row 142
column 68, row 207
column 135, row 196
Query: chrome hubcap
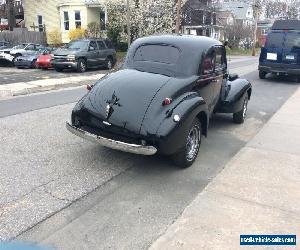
column 82, row 66
column 193, row 143
column 245, row 108
column 109, row 64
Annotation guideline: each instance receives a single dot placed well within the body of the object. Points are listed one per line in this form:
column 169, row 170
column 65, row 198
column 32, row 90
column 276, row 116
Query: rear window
column 157, row 53
column 274, row 40
column 292, row 40
column 283, row 40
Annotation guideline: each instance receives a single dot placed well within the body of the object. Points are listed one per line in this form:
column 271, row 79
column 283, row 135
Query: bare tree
column 11, row 14
column 238, row 33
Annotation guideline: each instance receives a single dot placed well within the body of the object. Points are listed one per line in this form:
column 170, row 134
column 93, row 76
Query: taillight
column 167, row 101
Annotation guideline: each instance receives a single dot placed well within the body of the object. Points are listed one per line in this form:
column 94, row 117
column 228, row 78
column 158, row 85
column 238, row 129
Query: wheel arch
column 203, row 118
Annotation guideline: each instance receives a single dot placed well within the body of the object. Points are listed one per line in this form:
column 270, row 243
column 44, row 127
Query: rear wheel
column 33, row 64
column 188, row 154
column 58, row 69
column 262, row 74
column 239, row 117
column 81, row 66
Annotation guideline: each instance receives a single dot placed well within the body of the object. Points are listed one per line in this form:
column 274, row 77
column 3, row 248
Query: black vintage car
column 162, row 98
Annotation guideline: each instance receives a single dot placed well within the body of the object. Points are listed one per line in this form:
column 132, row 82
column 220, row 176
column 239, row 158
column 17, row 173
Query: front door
column 92, row 58
column 220, row 70
column 102, row 52
column 205, row 84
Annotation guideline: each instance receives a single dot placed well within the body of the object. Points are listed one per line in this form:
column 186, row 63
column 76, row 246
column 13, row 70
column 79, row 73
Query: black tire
column 186, row 157
column 109, row 63
column 239, row 117
column 81, row 66
column 33, row 64
column 262, row 74
column 58, row 69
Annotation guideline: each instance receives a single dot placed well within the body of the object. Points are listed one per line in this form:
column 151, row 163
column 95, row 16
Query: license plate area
column 272, row 56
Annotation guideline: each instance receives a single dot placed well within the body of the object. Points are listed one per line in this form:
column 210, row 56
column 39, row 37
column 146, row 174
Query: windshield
column 282, row 39
column 78, row 45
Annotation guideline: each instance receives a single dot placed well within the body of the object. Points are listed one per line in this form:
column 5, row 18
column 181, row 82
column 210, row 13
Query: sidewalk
column 258, row 192
column 23, row 88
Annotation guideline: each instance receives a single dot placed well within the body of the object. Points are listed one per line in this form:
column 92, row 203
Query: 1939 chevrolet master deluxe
column 162, row 98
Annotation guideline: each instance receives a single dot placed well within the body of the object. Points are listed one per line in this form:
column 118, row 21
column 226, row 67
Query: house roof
column 238, row 8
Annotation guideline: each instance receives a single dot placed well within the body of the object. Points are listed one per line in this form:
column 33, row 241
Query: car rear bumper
column 122, row 146
column 280, row 68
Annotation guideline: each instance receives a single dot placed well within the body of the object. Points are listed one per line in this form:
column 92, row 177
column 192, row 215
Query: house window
column 77, row 19
column 103, row 20
column 66, row 20
column 40, row 23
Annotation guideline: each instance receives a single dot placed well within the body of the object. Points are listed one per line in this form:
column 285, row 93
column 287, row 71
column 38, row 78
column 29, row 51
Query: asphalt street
column 59, row 190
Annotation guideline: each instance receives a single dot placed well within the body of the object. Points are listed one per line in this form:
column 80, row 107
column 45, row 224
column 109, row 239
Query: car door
column 92, row 58
column 220, row 70
column 205, row 84
column 102, row 52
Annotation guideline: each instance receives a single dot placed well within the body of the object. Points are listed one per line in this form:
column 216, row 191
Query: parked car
column 86, row 53
column 162, row 98
column 6, row 58
column 30, row 60
column 281, row 53
column 44, row 61
column 4, row 45
column 24, row 49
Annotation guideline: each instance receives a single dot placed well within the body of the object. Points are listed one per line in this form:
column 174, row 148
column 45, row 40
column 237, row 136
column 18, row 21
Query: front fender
column 232, row 99
column 171, row 135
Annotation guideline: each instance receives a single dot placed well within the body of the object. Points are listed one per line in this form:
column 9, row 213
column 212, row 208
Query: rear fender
column 172, row 134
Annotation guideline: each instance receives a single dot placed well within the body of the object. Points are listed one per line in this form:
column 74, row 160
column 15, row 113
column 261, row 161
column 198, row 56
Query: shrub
column 77, row 33
column 54, row 38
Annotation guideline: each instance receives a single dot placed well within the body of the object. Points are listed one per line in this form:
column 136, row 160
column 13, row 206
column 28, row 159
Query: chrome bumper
column 122, row 146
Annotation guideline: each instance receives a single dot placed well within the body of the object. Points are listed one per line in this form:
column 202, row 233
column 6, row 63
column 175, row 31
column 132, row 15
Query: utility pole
column 255, row 10
column 178, row 16
column 128, row 22
column 11, row 14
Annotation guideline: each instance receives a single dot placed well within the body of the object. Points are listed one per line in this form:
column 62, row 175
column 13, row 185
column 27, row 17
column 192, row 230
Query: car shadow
column 272, row 78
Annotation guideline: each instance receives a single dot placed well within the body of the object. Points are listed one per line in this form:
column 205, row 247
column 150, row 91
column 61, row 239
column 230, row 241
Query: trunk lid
column 123, row 98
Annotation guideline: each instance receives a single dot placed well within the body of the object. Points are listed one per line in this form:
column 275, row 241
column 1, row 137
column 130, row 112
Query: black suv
column 281, row 53
column 83, row 54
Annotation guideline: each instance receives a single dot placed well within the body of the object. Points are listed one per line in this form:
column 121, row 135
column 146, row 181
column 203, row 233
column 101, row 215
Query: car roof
column 286, row 25
column 183, row 42
column 192, row 50
column 89, row 39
